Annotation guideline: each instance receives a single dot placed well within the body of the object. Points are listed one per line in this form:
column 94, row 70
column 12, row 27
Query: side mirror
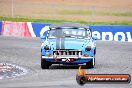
column 95, row 37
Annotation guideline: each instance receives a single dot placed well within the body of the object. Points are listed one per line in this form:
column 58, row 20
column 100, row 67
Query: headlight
column 48, row 55
column 46, row 47
column 85, row 55
column 88, row 48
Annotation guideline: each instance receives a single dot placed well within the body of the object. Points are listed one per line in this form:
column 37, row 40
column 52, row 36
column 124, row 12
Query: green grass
column 59, row 21
column 30, row 20
column 98, row 13
column 126, row 14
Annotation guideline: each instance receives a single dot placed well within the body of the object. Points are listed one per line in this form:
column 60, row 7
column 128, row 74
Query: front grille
column 67, row 52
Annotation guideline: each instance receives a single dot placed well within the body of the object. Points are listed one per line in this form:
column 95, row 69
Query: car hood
column 68, row 43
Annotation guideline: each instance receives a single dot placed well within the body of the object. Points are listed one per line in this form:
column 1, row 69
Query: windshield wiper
column 68, row 36
column 71, row 36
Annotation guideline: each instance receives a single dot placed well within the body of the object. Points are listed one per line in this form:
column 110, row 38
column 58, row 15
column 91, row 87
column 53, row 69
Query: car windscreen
column 69, row 32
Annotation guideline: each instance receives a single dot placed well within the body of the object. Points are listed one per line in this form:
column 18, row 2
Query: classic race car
column 68, row 43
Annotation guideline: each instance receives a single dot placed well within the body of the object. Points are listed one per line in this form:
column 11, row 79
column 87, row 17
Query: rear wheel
column 91, row 63
column 45, row 64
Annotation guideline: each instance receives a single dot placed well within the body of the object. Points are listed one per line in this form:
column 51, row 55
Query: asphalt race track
column 111, row 57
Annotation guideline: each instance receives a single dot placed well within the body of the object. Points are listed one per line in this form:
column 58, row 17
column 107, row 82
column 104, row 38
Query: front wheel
column 91, row 63
column 45, row 64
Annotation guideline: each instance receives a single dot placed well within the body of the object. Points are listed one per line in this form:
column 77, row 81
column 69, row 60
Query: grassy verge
column 98, row 13
column 59, row 21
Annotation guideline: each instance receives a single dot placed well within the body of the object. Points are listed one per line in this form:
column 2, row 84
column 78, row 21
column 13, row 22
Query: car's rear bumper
column 68, row 60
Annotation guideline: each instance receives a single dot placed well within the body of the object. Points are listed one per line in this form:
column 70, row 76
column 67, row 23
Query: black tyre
column 91, row 63
column 94, row 51
column 45, row 64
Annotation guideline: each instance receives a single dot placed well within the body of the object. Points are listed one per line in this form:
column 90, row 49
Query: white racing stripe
column 60, row 43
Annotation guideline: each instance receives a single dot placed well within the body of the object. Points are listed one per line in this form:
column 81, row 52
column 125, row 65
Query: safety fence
column 34, row 29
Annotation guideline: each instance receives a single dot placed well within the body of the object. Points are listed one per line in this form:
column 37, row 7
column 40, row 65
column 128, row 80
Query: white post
column 12, row 11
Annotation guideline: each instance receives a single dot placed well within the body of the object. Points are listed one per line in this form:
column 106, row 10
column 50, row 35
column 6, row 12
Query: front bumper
column 67, row 60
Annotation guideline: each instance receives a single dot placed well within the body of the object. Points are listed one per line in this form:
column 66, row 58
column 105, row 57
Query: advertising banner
column 38, row 29
column 34, row 29
column 107, row 33
column 110, row 33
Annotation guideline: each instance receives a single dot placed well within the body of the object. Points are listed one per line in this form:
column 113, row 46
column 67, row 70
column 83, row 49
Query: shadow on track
column 67, row 67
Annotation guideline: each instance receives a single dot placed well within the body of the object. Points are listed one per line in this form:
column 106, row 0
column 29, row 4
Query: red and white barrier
column 19, row 29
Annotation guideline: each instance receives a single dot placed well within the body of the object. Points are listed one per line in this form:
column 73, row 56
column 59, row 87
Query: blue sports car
column 68, row 43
